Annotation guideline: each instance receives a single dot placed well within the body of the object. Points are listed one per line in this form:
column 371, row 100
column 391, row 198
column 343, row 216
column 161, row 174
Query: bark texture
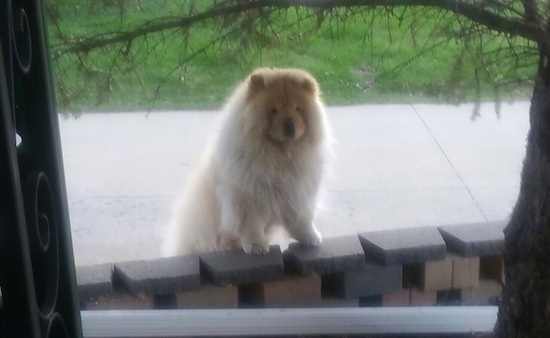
column 525, row 307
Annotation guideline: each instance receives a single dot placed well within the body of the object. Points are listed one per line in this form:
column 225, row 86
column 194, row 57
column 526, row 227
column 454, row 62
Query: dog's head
column 283, row 101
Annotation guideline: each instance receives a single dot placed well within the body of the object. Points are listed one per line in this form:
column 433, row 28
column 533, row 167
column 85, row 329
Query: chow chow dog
column 262, row 169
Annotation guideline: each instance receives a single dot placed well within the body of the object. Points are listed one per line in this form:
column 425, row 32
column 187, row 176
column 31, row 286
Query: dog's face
column 282, row 102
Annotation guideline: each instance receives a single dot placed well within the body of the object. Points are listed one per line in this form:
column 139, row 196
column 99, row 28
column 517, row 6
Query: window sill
column 176, row 323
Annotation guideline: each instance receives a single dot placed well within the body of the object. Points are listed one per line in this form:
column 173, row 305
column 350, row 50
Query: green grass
column 364, row 59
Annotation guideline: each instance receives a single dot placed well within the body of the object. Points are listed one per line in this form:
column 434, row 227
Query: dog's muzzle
column 288, row 128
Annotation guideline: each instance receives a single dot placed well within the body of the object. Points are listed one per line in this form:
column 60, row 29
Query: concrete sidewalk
column 396, row 166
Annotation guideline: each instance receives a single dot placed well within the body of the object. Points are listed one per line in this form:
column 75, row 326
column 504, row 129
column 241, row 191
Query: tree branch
column 531, row 11
column 530, row 30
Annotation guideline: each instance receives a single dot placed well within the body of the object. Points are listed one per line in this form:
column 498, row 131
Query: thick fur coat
column 263, row 168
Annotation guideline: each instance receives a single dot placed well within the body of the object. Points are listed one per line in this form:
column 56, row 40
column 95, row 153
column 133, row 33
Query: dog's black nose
column 288, row 128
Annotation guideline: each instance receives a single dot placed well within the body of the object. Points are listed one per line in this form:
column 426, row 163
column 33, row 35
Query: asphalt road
column 395, row 166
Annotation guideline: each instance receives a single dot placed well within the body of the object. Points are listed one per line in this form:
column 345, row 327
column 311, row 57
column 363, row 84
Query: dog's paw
column 311, row 238
column 255, row 248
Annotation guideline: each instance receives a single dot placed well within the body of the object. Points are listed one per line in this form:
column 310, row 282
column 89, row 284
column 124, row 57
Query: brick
column 165, row 302
column 372, row 279
column 336, row 302
column 333, row 255
column 94, row 281
column 399, row 298
column 370, row 301
column 291, row 292
column 449, row 297
column 476, row 239
column 120, row 299
column 209, row 297
column 487, row 292
column 465, row 272
column 238, row 268
column 159, row 276
column 492, row 267
column 402, row 246
column 434, row 275
column 420, row 297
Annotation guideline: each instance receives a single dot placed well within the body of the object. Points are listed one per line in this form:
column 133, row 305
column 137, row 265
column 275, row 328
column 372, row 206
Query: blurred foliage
column 163, row 54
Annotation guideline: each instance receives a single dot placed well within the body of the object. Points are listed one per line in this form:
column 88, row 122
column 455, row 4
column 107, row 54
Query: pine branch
column 520, row 26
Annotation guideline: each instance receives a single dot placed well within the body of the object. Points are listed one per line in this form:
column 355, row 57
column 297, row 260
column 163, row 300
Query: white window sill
column 176, row 323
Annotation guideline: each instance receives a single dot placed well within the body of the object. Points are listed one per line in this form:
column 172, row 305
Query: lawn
column 357, row 57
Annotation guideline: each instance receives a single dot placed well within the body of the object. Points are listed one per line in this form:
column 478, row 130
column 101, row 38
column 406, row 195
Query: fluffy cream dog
column 263, row 168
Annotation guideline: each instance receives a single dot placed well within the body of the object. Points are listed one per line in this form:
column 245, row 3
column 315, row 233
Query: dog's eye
column 299, row 109
column 273, row 112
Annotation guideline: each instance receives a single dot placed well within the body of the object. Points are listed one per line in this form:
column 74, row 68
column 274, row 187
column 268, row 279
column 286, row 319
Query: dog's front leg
column 252, row 233
column 302, row 229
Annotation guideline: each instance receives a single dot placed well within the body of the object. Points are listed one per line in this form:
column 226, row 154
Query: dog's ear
column 310, row 85
column 256, row 82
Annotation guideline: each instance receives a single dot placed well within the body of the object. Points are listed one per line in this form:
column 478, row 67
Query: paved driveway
column 395, row 166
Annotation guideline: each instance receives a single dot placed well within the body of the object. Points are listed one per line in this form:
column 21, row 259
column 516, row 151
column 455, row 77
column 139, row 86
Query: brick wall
column 449, row 265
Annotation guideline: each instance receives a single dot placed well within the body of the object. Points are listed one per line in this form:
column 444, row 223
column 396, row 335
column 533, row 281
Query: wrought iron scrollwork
column 42, row 230
column 37, row 275
column 22, row 40
column 55, row 327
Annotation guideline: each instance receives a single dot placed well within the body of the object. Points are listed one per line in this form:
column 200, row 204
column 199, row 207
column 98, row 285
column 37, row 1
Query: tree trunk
column 525, row 307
